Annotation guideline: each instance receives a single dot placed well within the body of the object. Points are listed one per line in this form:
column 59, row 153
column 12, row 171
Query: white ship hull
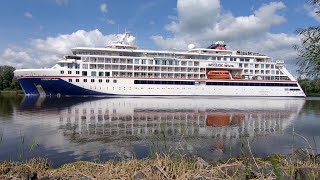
column 50, row 85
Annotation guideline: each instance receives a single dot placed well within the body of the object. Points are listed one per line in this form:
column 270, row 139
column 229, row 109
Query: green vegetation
column 309, row 50
column 311, row 87
column 7, row 80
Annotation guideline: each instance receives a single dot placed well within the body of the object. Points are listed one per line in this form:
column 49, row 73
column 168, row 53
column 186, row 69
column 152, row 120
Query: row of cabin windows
column 93, row 80
column 85, row 73
column 164, row 82
column 215, row 83
column 249, row 84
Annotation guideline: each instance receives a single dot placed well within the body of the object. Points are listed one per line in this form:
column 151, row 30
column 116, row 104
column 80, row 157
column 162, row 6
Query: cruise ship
column 121, row 69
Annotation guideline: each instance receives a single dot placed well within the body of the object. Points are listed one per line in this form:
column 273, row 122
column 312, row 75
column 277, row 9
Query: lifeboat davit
column 236, row 77
column 218, row 74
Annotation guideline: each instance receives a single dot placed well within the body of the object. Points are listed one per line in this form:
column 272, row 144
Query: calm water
column 69, row 129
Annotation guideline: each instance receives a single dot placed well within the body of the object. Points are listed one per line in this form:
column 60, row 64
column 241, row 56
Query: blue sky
column 32, row 29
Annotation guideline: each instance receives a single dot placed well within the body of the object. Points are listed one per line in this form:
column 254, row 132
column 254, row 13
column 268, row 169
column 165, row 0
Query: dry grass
column 159, row 167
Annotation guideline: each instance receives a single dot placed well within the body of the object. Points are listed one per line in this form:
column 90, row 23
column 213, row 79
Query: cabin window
column 77, row 80
column 61, row 72
column 100, row 80
column 93, row 73
column 84, row 80
column 77, row 72
column 69, row 72
column 107, row 80
column 101, row 73
column 77, row 66
column 84, row 73
column 92, row 80
column 107, row 73
column 114, row 81
column 70, row 66
column 70, row 80
column 85, row 66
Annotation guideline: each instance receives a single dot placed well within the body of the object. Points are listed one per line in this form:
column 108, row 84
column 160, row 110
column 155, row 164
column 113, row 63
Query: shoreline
column 297, row 165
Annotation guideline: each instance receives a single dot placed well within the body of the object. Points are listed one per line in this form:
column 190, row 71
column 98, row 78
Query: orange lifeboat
column 218, row 74
column 218, row 120
column 222, row 120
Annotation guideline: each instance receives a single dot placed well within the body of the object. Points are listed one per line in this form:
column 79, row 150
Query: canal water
column 98, row 129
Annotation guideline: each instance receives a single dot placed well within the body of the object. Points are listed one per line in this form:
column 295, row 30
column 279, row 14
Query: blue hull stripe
column 56, row 86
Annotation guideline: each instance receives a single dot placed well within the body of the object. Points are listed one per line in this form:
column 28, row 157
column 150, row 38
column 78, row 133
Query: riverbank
column 298, row 165
column 11, row 92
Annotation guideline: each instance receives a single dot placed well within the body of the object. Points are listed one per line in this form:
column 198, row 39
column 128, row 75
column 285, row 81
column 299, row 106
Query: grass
column 162, row 166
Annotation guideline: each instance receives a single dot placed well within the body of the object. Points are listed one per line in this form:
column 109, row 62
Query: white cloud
column 45, row 52
column 311, row 10
column 201, row 21
column 110, row 21
column 104, row 8
column 62, row 2
column 152, row 22
column 28, row 15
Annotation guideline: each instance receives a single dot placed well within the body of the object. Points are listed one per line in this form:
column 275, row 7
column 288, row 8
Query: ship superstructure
column 121, row 69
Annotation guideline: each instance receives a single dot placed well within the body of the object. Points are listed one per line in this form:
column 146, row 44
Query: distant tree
column 7, row 79
column 309, row 50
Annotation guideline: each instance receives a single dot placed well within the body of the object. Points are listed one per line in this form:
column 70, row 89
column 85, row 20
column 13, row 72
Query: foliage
column 309, row 50
column 7, row 79
column 311, row 87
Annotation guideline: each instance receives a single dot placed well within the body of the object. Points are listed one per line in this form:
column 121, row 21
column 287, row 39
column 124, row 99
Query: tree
column 309, row 50
column 7, row 79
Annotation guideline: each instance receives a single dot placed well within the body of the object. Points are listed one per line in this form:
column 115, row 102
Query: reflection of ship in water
column 118, row 127
column 111, row 119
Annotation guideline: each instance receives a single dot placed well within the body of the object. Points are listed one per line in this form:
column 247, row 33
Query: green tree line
column 7, row 79
column 311, row 87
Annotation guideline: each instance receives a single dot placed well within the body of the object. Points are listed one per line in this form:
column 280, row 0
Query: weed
column 275, row 162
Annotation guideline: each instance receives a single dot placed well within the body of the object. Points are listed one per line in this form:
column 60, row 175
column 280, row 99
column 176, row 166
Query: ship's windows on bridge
column 107, row 73
column 84, row 73
column 101, row 73
column 93, row 73
column 84, row 80
column 69, row 72
column 70, row 66
column 77, row 72
column 77, row 80
column 114, row 81
column 61, row 72
column 100, row 80
column 92, row 80
column 107, row 80
column 70, row 80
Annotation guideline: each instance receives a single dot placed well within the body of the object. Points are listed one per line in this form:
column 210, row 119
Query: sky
column 37, row 33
